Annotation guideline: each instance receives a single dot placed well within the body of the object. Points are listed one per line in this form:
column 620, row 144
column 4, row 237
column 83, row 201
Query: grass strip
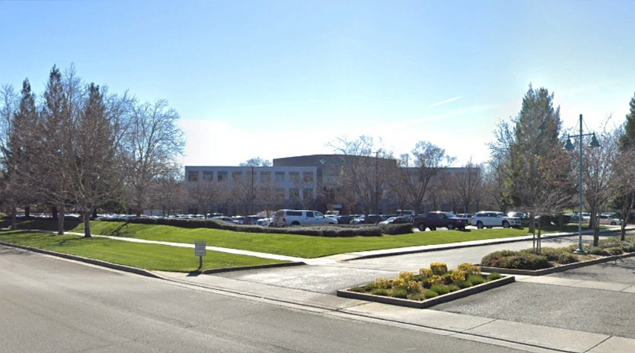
column 146, row 256
column 291, row 244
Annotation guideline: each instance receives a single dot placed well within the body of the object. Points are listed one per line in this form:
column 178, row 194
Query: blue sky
column 283, row 78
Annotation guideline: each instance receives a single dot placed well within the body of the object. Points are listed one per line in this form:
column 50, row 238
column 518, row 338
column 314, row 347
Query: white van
column 287, row 217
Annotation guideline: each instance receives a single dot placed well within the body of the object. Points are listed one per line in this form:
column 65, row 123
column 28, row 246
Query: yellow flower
column 425, row 272
column 438, row 268
column 382, row 283
column 407, row 276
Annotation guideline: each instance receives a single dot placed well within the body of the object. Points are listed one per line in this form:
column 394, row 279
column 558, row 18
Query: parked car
column 439, row 219
column 224, row 219
column 491, row 219
column 524, row 217
column 608, row 220
column 286, row 217
column 251, row 219
column 397, row 220
column 264, row 222
column 344, row 219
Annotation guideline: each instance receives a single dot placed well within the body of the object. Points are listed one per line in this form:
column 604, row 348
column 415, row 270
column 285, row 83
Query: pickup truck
column 434, row 220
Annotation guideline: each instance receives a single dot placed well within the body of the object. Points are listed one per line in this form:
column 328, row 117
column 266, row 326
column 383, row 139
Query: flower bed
column 431, row 286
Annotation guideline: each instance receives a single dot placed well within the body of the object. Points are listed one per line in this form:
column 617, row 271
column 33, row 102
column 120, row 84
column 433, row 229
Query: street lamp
column 569, row 147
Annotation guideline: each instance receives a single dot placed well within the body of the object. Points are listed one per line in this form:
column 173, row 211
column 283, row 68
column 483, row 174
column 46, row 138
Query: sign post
column 200, row 251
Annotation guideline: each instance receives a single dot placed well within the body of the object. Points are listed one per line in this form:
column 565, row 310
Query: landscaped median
column 430, row 287
column 549, row 260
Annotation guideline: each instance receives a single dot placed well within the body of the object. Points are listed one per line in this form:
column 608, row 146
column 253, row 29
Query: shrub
column 398, row 283
column 453, row 287
column 382, row 282
column 566, row 258
column 440, row 289
column 525, row 261
column 494, row 259
column 407, row 276
column 628, row 246
column 399, row 293
column 469, row 269
column 369, row 287
column 418, row 296
column 425, row 272
column 597, row 251
column 458, row 275
column 553, row 254
column 464, row 284
column 430, row 294
column 414, row 287
column 358, row 289
column 435, row 280
column 476, row 279
column 439, row 268
column 494, row 276
column 396, row 229
column 614, row 251
column 380, row 291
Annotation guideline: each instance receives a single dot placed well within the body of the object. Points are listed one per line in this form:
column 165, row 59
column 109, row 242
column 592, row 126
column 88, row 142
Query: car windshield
column 450, row 214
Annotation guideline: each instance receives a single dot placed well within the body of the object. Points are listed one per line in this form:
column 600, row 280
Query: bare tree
column 152, row 142
column 416, row 176
column 365, row 170
column 466, row 185
column 599, row 171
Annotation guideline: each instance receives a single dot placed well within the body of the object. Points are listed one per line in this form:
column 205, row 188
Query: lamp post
column 569, row 147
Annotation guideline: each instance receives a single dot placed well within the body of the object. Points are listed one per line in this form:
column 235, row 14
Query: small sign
column 199, row 248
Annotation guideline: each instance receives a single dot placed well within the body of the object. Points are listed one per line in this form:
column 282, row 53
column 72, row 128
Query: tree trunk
column 54, row 212
column 14, row 218
column 86, row 217
column 27, row 212
column 60, row 220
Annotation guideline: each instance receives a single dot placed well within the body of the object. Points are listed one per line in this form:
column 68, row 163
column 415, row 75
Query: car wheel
column 479, row 225
column 450, row 226
column 613, row 223
column 331, row 223
column 422, row 227
column 433, row 228
column 505, row 224
column 295, row 223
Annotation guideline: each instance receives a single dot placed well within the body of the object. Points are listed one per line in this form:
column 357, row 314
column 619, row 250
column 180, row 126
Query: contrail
column 443, row 102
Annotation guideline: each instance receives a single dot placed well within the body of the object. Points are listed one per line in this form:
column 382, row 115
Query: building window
column 280, row 193
column 192, row 176
column 222, row 176
column 236, row 175
column 307, row 177
column 279, row 177
column 208, row 176
column 294, row 177
column 265, row 177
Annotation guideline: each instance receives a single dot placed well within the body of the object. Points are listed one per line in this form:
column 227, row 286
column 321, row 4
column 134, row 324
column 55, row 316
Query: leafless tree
column 416, row 176
column 153, row 141
column 466, row 185
column 365, row 169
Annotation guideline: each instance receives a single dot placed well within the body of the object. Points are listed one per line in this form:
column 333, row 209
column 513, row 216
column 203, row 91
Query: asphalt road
column 54, row 305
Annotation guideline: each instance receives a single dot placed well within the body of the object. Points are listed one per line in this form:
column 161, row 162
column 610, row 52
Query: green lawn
column 145, row 256
column 290, row 244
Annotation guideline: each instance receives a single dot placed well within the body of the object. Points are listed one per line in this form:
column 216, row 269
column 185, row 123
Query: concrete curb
column 546, row 271
column 111, row 265
column 428, row 302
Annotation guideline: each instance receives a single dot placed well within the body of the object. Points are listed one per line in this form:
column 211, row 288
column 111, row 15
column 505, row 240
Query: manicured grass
column 290, row 244
column 145, row 256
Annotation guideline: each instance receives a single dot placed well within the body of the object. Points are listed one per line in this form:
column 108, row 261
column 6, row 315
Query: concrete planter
column 561, row 268
column 428, row 302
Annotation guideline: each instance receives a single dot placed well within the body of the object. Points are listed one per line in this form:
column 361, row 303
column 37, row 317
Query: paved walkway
column 523, row 336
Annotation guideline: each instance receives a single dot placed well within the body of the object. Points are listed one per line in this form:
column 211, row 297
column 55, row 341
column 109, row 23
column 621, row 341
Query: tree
column 152, row 142
column 625, row 201
column 526, row 150
column 466, row 185
column 256, row 162
column 94, row 173
column 8, row 140
column 365, row 169
column 417, row 176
